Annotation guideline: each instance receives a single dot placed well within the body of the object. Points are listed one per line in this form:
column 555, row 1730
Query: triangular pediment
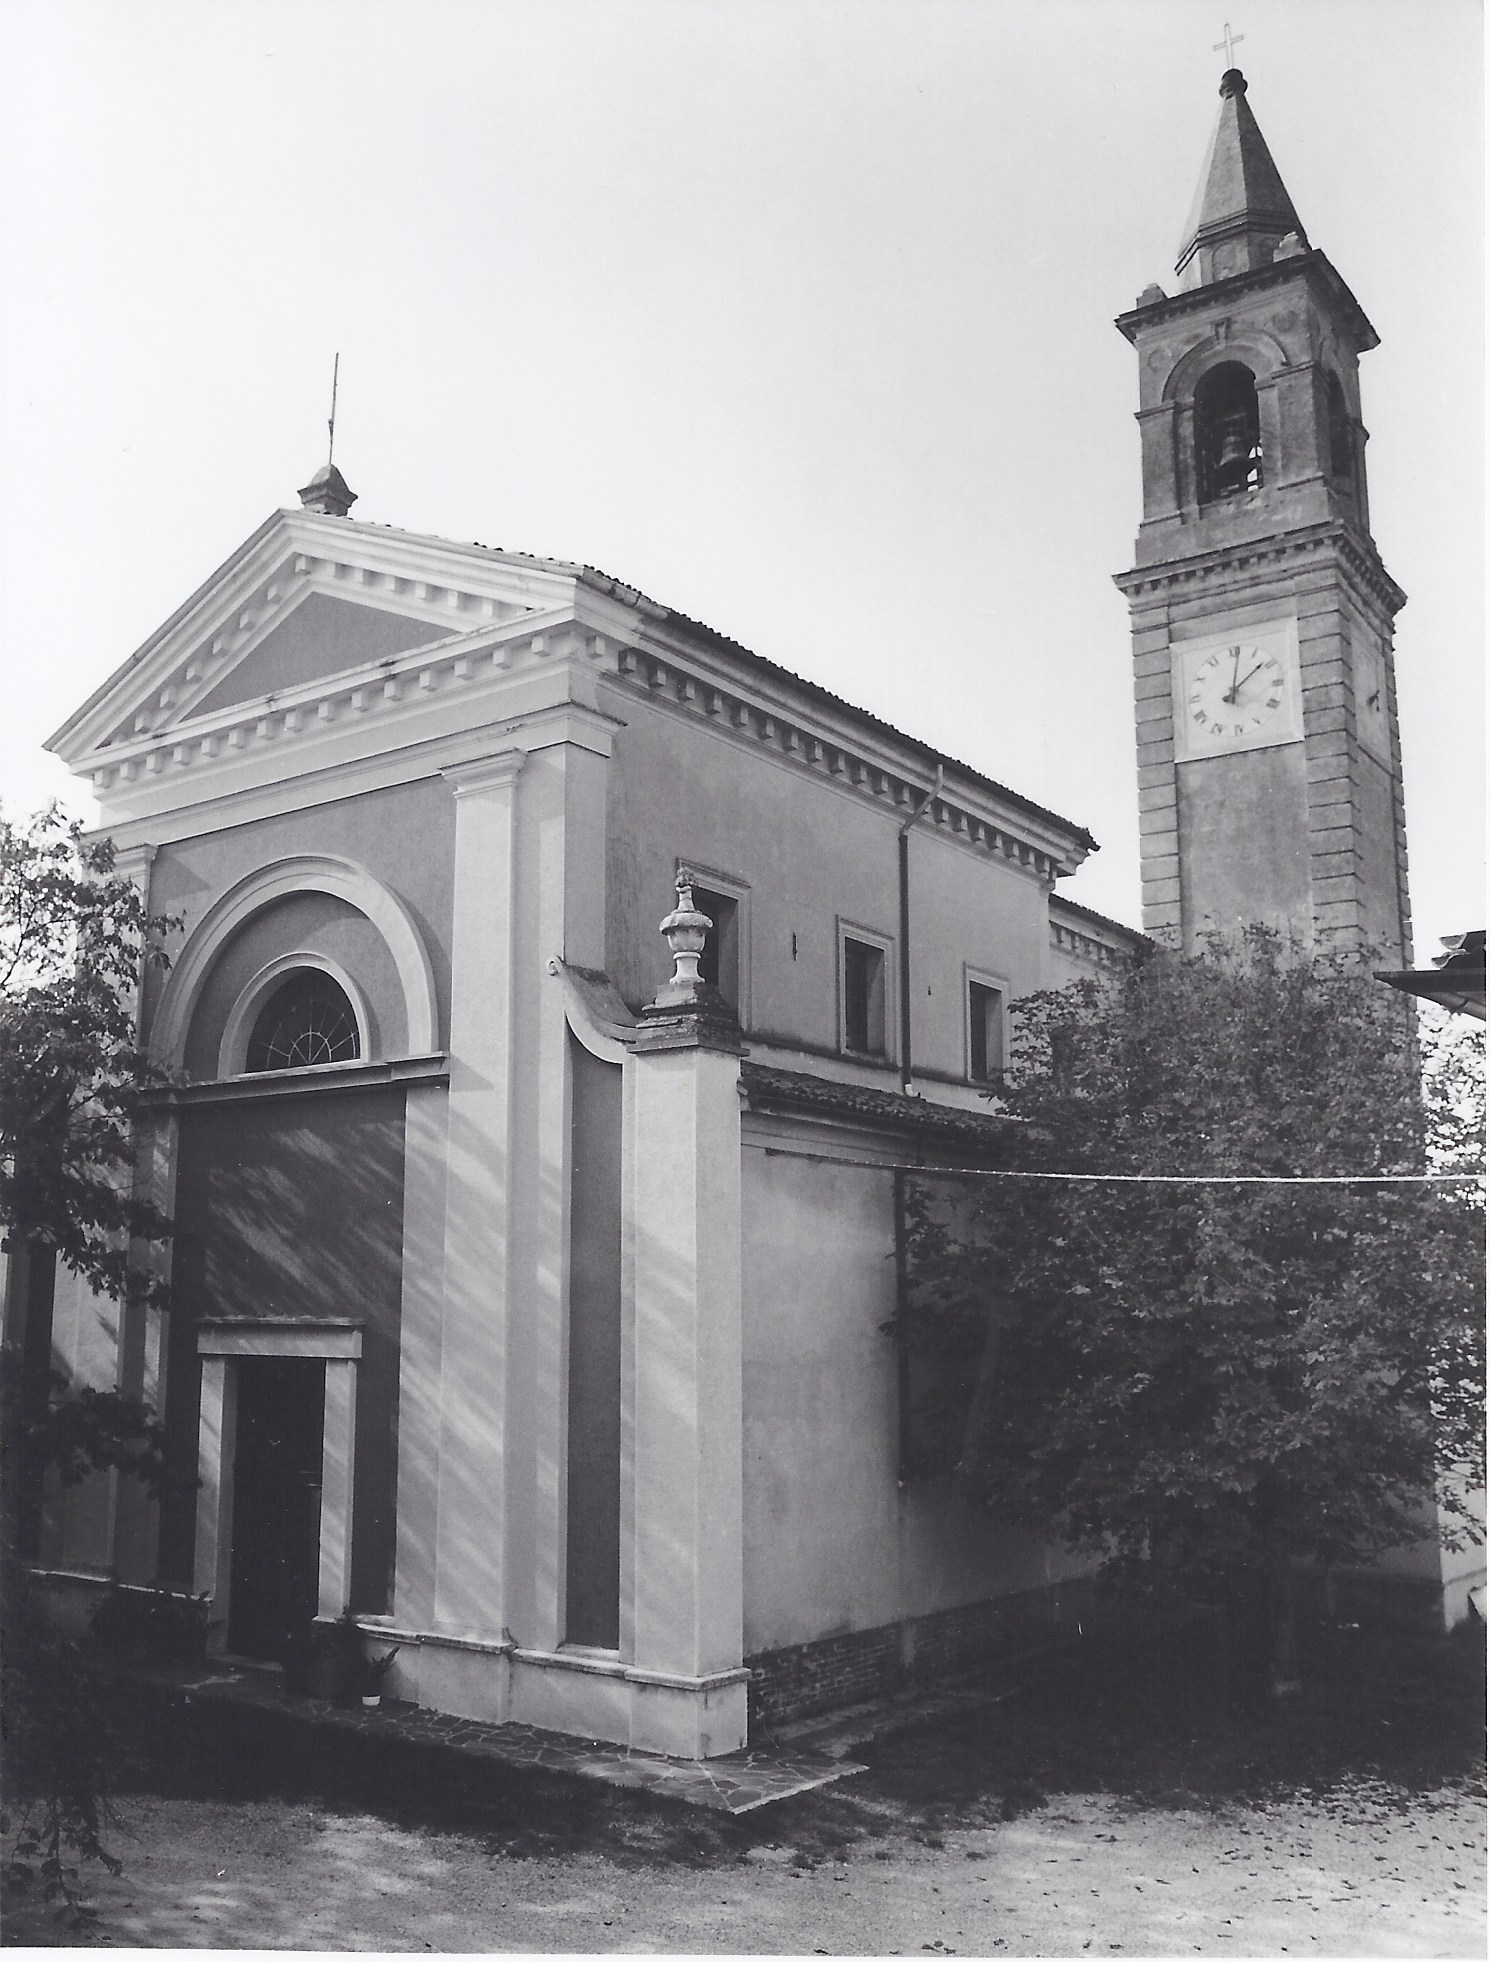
column 323, row 635
column 307, row 598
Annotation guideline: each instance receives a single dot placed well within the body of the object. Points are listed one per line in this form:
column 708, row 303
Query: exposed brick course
column 855, row 1668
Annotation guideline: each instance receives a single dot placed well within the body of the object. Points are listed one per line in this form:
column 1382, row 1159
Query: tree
column 1203, row 1384
column 75, row 936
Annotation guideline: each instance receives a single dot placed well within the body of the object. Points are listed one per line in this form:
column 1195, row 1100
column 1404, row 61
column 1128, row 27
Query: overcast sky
column 797, row 316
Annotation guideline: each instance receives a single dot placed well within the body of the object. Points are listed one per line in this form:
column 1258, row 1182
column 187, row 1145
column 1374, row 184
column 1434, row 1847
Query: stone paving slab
column 740, row 1782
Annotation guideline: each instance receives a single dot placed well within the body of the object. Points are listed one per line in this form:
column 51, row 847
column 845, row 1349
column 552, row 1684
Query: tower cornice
column 1292, row 549
column 1312, row 265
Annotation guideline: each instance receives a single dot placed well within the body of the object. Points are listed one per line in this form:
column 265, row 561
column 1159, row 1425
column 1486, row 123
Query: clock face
column 1233, row 692
column 1236, row 693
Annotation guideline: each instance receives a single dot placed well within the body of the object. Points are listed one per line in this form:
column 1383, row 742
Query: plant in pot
column 374, row 1668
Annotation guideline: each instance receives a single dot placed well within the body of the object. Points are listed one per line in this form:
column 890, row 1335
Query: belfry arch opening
column 1228, row 439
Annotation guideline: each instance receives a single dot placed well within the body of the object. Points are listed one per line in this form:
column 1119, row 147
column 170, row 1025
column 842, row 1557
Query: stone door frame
column 222, row 1346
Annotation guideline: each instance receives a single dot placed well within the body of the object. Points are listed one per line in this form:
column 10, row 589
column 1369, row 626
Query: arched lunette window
column 308, row 1019
column 1228, row 443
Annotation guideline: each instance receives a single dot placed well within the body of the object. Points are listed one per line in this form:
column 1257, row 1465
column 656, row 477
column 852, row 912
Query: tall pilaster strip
column 469, row 1537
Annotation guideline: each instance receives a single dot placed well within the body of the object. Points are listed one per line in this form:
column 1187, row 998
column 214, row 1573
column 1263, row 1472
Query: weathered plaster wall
column 403, row 836
column 1376, row 819
column 831, row 1542
column 1244, row 842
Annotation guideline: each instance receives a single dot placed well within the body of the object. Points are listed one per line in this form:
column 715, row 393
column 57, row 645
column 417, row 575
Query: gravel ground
column 1363, row 1869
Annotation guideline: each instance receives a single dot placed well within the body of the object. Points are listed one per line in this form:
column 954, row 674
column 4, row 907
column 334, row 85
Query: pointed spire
column 1241, row 211
column 328, row 492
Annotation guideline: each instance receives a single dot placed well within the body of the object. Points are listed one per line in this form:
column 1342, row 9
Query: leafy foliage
column 56, row 1754
column 57, row 1740
column 75, row 936
column 1207, row 1381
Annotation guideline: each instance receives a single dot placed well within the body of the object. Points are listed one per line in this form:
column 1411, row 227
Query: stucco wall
column 404, row 836
column 294, row 1206
column 811, row 854
column 1068, row 967
column 311, row 922
column 831, row 1543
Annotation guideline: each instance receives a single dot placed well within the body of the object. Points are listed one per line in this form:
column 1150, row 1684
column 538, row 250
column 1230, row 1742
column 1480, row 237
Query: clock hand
column 1236, row 662
column 1237, row 689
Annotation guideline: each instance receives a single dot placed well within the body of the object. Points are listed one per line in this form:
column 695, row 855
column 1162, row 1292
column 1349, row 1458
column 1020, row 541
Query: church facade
column 531, row 1263
column 537, row 1318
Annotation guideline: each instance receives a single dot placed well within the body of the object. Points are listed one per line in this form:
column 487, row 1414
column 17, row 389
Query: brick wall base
column 786, row 1684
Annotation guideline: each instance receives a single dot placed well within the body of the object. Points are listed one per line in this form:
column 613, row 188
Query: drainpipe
column 904, row 843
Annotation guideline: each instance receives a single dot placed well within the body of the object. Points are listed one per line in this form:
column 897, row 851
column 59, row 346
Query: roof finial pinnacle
column 331, row 419
column 328, row 490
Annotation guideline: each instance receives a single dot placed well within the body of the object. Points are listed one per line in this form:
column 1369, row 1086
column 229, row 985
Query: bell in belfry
column 1232, row 468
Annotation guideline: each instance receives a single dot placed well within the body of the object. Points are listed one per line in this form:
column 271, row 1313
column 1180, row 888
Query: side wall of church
column 833, row 1543
column 814, row 856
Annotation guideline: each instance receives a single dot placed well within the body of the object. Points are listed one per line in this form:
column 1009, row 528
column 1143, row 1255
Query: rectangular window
column 863, row 996
column 719, row 963
column 985, row 1032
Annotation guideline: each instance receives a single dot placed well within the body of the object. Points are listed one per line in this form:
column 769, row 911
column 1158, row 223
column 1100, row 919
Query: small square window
column 863, row 996
column 985, row 1027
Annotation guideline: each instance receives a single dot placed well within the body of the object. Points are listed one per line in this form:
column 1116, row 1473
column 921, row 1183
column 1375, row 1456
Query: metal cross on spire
column 1228, row 41
column 331, row 419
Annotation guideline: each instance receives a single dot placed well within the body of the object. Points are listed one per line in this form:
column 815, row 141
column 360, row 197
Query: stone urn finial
column 685, row 929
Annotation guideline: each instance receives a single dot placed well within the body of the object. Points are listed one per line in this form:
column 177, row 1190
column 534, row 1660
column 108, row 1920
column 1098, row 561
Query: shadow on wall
column 294, row 1207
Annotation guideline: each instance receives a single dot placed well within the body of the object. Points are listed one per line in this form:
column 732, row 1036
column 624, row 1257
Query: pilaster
column 421, row 1339
column 685, row 1613
column 560, row 910
column 468, row 1541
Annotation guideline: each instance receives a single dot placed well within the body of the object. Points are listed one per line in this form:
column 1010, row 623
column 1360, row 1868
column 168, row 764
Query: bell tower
column 1270, row 780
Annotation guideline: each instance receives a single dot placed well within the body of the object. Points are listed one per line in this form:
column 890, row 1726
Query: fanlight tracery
column 307, row 1020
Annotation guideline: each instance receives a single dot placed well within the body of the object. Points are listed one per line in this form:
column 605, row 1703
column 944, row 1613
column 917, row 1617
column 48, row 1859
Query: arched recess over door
column 304, row 872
